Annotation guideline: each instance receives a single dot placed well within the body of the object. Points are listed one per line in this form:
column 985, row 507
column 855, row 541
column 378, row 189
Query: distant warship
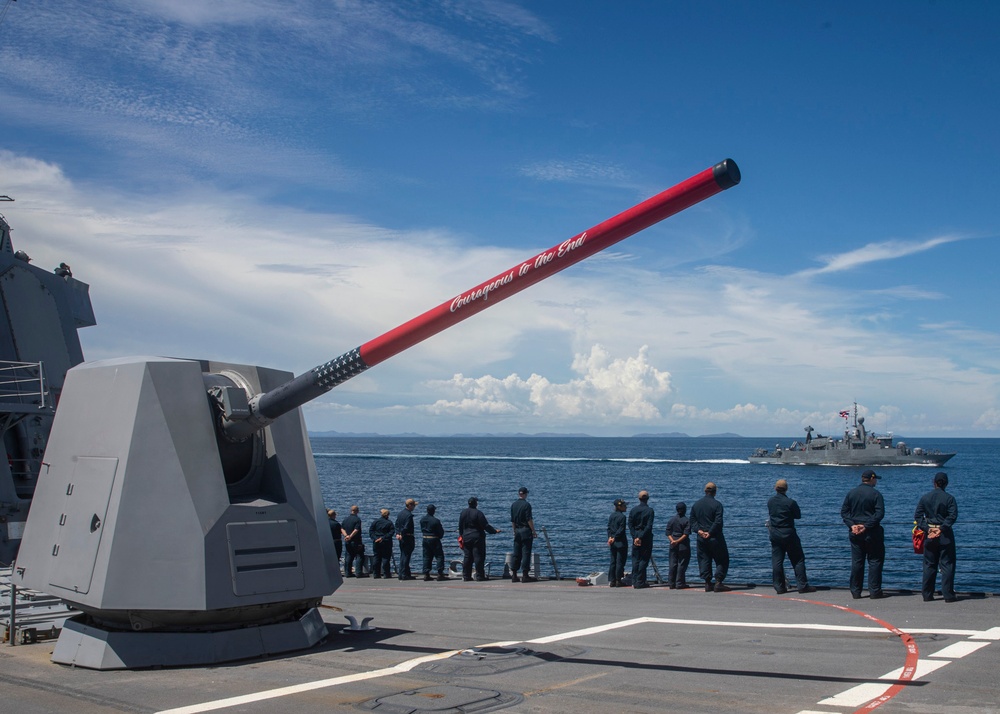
column 857, row 448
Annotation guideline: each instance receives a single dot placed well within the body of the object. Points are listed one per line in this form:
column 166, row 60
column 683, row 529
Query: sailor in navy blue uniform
column 432, row 532
column 640, row 526
column 862, row 512
column 617, row 544
column 679, row 534
column 337, row 531
column 782, row 513
column 405, row 536
column 381, row 532
column 473, row 527
column 523, row 526
column 355, row 545
column 936, row 513
column 707, row 523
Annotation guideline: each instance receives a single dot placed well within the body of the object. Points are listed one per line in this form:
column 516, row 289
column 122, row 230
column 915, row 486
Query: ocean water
column 574, row 480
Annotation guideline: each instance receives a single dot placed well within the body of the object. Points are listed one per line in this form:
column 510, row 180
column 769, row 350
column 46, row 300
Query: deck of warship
column 555, row 646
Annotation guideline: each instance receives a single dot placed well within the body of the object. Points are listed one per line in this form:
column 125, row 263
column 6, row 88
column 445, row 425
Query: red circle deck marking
column 912, row 652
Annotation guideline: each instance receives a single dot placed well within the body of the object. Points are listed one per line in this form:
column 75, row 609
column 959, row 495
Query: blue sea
column 574, row 480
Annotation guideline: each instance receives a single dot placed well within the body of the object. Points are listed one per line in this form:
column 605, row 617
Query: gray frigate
column 858, row 447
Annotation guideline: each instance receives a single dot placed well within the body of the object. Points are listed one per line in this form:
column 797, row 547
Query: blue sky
column 276, row 183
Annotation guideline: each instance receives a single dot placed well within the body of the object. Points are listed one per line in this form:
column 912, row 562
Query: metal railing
column 22, row 386
column 26, row 615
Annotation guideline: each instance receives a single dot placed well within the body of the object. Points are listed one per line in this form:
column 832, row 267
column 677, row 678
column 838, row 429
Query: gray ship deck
column 559, row 647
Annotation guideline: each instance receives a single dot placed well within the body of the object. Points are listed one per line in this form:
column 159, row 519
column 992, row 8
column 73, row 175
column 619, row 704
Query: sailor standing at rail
column 381, row 532
column 432, row 532
column 617, row 544
column 472, row 528
column 707, row 522
column 354, row 540
column 337, row 531
column 863, row 511
column 782, row 513
column 936, row 513
column 640, row 526
column 523, row 526
column 405, row 536
column 678, row 532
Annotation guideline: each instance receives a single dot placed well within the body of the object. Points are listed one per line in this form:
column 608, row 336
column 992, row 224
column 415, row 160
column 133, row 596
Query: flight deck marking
column 877, row 692
column 877, row 689
column 991, row 634
column 309, row 686
column 873, row 694
column 959, row 649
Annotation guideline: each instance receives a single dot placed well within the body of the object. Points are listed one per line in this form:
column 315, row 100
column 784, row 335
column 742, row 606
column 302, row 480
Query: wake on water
column 562, row 459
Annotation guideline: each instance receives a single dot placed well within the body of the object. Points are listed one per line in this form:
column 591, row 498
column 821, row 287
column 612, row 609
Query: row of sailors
column 472, row 528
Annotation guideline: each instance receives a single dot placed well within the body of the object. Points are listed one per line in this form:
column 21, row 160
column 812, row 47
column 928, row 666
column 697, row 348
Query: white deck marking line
column 812, row 626
column 856, row 696
column 991, row 634
column 974, row 634
column 589, row 631
column 309, row 686
column 410, row 664
column 924, row 666
column 959, row 649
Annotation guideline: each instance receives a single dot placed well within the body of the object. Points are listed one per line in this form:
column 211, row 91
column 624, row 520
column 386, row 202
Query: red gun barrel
column 267, row 407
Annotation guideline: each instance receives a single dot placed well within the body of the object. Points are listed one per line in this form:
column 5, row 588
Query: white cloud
column 505, row 14
column 225, row 12
column 875, row 252
column 988, row 421
column 608, row 389
column 216, row 64
column 579, row 170
column 212, row 273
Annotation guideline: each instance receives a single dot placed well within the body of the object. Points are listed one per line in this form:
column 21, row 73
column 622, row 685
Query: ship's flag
column 845, row 413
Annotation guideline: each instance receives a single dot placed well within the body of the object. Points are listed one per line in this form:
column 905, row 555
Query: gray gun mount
column 136, row 524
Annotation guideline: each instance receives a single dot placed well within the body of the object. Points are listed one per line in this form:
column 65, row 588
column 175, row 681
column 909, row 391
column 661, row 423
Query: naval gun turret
column 179, row 507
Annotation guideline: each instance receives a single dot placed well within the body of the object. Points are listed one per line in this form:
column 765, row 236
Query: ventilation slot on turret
column 264, row 557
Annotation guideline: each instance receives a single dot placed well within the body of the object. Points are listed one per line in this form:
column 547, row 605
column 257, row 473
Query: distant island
column 681, row 435
column 500, row 435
